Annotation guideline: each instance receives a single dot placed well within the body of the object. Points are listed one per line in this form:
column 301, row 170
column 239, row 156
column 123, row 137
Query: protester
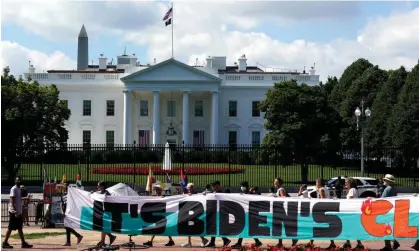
column 352, row 193
column 15, row 216
column 207, row 189
column 302, row 192
column 322, row 193
column 244, row 187
column 280, row 192
column 68, row 230
column 101, row 189
column 381, row 187
column 190, row 187
column 216, row 188
column 339, row 187
column 389, row 191
column 159, row 193
column 25, row 204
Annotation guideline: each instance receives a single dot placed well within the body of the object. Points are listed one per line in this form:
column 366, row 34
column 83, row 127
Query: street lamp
column 362, row 120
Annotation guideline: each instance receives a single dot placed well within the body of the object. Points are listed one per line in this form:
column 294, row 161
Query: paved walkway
column 91, row 238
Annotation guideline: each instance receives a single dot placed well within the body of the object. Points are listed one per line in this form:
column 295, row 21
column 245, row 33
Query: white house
column 167, row 101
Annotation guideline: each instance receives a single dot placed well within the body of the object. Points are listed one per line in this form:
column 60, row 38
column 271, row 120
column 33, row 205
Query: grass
column 36, row 235
column 256, row 175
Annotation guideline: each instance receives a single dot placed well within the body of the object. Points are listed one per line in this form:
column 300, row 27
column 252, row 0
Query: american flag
column 144, row 137
column 198, row 137
column 168, row 14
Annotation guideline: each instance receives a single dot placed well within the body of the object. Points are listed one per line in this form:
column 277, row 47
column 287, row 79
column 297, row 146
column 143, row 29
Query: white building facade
column 169, row 101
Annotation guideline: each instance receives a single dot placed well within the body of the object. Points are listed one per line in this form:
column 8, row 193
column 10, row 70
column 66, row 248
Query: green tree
column 300, row 121
column 379, row 133
column 365, row 88
column 31, row 116
column 330, row 84
column 405, row 117
column 349, row 75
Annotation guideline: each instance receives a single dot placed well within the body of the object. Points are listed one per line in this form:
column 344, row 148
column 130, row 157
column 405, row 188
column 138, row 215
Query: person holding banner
column 68, row 231
column 280, row 192
column 216, row 188
column 159, row 193
column 204, row 241
column 389, row 191
column 352, row 188
column 101, row 189
column 245, row 190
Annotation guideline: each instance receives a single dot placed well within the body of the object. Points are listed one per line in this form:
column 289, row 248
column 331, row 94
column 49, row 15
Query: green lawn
column 256, row 175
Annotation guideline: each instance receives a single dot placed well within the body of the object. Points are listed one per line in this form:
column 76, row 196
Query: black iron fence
column 202, row 165
column 35, row 211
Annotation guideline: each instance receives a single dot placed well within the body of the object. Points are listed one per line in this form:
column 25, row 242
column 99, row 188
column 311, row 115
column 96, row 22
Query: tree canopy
column 31, row 116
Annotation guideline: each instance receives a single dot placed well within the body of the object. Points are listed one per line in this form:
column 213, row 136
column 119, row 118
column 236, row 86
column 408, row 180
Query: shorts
column 15, row 223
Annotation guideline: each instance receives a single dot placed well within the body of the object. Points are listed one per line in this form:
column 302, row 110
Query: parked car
column 367, row 187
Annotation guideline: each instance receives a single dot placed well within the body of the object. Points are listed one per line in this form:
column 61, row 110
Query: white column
column 185, row 117
column 127, row 118
column 214, row 118
column 156, row 118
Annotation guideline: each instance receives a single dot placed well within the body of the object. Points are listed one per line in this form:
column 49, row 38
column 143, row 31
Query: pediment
column 170, row 70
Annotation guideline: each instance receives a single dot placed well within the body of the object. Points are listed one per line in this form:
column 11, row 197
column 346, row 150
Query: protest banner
column 245, row 216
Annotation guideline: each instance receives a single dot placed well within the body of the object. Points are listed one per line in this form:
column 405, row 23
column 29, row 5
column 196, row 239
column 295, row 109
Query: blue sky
column 345, row 25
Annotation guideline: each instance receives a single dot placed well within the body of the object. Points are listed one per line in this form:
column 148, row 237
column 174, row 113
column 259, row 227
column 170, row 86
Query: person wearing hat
column 25, row 205
column 389, row 191
column 159, row 193
column 244, row 187
column 216, row 188
column 101, row 189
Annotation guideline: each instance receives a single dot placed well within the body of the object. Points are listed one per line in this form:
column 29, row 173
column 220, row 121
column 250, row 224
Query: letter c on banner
column 369, row 216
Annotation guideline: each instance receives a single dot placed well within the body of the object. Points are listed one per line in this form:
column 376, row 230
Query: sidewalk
column 91, row 238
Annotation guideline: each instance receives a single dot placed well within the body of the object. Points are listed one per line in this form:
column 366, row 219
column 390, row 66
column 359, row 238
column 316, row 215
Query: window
column 64, row 102
column 255, row 109
column 232, row 137
column 143, row 108
column 110, row 137
column 199, row 108
column 144, row 137
column 198, row 137
column 87, row 108
column 87, row 136
column 255, row 138
column 110, row 107
column 171, row 108
column 232, row 108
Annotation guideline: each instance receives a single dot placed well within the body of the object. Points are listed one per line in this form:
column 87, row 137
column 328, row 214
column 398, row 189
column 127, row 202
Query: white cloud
column 227, row 29
column 17, row 58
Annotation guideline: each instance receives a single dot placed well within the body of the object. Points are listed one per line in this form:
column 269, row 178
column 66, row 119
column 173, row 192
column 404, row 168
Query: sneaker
column 112, row 238
column 210, row 245
column 258, row 244
column 186, row 245
column 26, row 245
column 237, row 246
column 386, row 249
column 66, row 245
column 6, row 245
column 148, row 243
column 170, row 244
column 226, row 243
column 331, row 247
column 79, row 239
column 204, row 242
column 396, row 245
column 360, row 247
column 415, row 247
column 347, row 246
column 100, row 244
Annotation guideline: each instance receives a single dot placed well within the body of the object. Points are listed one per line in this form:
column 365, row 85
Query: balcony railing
column 73, row 76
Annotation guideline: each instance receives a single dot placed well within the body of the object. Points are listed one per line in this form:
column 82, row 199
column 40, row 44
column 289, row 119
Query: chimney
column 313, row 70
column 242, row 63
column 133, row 60
column 102, row 63
column 83, row 50
column 209, row 62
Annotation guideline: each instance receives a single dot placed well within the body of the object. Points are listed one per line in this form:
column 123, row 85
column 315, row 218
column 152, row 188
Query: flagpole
column 173, row 23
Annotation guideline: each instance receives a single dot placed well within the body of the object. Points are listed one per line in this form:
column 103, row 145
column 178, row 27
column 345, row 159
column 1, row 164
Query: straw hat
column 389, row 178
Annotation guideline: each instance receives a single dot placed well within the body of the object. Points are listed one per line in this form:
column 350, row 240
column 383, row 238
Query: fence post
column 134, row 160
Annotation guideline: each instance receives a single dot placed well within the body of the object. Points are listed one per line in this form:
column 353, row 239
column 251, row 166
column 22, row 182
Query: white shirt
column 352, row 193
column 278, row 192
column 15, row 192
column 326, row 192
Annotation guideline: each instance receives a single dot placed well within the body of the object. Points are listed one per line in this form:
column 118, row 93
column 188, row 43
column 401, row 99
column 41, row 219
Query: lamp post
column 361, row 119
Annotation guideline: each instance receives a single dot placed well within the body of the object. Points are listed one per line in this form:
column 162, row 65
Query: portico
column 171, row 101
